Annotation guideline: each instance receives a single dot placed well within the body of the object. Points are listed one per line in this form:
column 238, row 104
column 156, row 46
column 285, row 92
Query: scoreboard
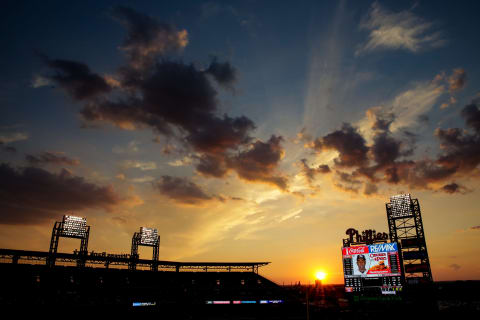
column 373, row 267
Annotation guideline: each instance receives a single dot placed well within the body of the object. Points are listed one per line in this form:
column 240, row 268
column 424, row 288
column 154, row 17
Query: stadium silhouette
column 93, row 283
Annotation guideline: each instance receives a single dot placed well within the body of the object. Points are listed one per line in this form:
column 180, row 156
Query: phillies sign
column 366, row 236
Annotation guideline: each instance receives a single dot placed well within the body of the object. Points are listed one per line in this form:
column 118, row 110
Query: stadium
column 117, row 283
column 398, row 282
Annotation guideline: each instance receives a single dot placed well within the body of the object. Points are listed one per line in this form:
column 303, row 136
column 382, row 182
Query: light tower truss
column 406, row 227
column 147, row 237
column 69, row 227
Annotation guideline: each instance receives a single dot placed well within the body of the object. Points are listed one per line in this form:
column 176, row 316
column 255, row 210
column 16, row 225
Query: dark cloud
column 57, row 158
column 32, row 195
column 323, row 168
column 224, row 73
column 379, row 161
column 5, row 148
column 175, row 98
column 370, row 189
column 385, row 159
column 212, row 165
column 461, row 150
column 454, row 188
column 217, row 135
column 147, row 38
column 472, row 116
column 348, row 142
column 451, row 188
column 310, row 172
column 179, row 101
column 423, row 118
column 260, row 162
column 182, row 190
column 457, row 80
column 76, row 78
column 382, row 122
column 347, row 181
column 385, row 149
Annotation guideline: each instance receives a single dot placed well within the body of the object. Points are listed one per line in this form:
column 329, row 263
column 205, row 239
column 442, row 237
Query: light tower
column 146, row 237
column 406, row 226
column 69, row 227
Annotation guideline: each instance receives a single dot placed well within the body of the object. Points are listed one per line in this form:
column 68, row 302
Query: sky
column 241, row 130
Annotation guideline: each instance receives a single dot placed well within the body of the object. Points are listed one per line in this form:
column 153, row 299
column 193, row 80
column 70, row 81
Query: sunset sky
column 241, row 130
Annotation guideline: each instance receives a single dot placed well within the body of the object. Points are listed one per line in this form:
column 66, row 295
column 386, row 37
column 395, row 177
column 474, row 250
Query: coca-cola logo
column 356, row 250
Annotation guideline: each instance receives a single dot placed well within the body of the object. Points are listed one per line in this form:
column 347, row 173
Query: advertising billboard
column 375, row 265
column 371, row 260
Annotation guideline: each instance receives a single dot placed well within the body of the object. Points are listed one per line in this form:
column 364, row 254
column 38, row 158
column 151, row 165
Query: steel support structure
column 41, row 257
column 57, row 233
column 136, row 242
column 406, row 227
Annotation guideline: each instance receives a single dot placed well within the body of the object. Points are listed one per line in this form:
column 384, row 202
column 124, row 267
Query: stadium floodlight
column 401, row 205
column 148, row 236
column 74, row 226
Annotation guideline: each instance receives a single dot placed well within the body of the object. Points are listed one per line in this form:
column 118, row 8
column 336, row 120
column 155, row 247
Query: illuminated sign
column 148, row 236
column 270, row 301
column 375, row 265
column 143, row 304
column 372, row 260
column 400, row 205
column 243, row 302
column 74, row 226
column 367, row 236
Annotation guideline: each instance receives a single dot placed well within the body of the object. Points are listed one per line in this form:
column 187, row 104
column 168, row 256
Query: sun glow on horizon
column 320, row 275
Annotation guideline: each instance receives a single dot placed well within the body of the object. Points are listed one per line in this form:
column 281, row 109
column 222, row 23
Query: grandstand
column 104, row 283
column 97, row 281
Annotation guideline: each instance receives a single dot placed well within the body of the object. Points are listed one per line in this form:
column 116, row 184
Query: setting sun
column 320, row 275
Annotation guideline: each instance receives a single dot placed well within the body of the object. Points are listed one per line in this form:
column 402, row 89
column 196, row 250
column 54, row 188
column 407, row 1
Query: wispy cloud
column 142, row 165
column 183, row 191
column 39, row 81
column 185, row 161
column 291, row 214
column 143, row 179
column 398, row 30
column 132, row 147
column 13, row 136
column 406, row 108
column 48, row 157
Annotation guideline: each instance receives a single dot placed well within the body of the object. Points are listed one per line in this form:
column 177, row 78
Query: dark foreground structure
column 105, row 283
column 93, row 284
column 206, row 291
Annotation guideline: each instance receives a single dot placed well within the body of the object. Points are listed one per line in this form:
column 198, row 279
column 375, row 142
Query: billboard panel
column 376, row 265
column 371, row 260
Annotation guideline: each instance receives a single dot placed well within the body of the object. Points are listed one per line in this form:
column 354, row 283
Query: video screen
column 376, row 265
